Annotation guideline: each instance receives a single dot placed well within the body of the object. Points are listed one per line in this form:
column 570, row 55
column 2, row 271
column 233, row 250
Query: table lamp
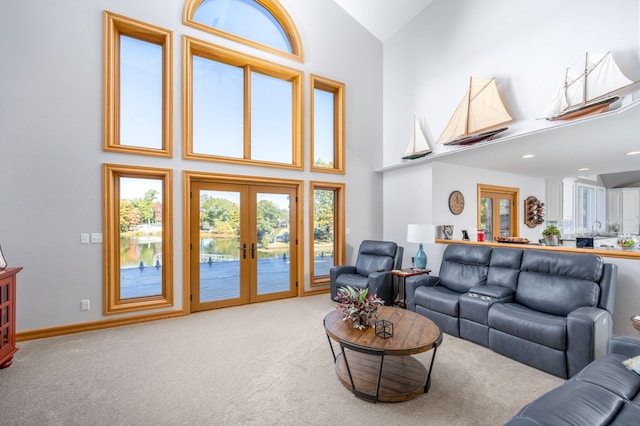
column 420, row 234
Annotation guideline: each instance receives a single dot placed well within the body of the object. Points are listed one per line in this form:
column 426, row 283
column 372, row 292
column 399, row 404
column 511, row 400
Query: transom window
column 264, row 24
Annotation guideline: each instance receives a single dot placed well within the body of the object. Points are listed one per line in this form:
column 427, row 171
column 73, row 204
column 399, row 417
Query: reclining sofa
column 547, row 309
column 603, row 393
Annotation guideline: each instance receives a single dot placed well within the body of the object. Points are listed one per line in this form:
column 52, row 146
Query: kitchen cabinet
column 631, row 211
column 560, row 202
column 623, row 210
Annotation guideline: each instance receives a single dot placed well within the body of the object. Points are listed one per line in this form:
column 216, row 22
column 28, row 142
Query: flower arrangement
column 358, row 306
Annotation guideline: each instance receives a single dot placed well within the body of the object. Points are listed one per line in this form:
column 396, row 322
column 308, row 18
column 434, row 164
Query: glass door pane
column 505, row 217
column 272, row 246
column 219, row 245
column 486, row 218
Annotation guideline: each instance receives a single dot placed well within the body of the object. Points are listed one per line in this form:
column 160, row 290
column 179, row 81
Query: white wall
column 525, row 46
column 51, row 130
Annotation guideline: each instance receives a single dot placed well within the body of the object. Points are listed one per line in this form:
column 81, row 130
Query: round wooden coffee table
column 378, row 369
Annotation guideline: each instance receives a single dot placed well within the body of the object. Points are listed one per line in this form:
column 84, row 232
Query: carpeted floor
column 262, row 364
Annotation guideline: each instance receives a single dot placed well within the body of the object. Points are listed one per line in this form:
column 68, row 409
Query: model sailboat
column 588, row 92
column 418, row 145
column 478, row 116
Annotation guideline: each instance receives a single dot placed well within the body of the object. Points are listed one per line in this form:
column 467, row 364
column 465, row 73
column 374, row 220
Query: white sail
column 481, row 109
column 418, row 144
column 598, row 78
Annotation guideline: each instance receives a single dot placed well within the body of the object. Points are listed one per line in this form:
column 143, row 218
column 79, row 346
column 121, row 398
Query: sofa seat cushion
column 609, row 373
column 538, row 327
column 353, row 280
column 574, row 403
column 439, row 299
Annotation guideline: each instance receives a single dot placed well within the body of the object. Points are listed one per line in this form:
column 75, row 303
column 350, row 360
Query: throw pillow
column 633, row 364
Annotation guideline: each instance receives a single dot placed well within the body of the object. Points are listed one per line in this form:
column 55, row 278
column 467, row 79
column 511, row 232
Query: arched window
column 263, row 24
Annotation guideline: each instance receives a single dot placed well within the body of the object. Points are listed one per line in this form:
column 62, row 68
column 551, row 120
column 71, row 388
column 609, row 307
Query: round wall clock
column 456, row 202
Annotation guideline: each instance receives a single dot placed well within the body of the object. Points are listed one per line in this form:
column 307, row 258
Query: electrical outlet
column 85, row 305
column 84, row 238
column 96, row 237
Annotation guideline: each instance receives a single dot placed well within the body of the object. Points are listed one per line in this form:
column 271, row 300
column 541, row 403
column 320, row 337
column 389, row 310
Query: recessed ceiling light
column 528, row 156
column 583, row 169
column 633, row 153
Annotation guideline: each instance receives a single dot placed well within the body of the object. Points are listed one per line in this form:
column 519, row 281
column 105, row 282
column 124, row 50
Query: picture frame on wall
column 3, row 262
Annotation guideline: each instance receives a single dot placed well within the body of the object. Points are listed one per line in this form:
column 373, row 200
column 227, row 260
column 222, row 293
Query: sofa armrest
column 588, row 331
column 493, row 291
column 412, row 283
column 341, row 269
column 624, row 345
column 380, row 285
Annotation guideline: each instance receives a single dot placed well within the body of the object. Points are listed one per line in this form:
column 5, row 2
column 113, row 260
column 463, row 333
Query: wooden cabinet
column 631, row 211
column 8, row 316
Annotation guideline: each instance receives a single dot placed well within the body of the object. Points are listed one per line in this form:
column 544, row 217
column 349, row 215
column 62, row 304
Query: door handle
column 244, row 251
column 253, row 251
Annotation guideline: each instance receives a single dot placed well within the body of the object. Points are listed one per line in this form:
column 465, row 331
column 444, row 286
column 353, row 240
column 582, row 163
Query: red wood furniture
column 403, row 274
column 8, row 316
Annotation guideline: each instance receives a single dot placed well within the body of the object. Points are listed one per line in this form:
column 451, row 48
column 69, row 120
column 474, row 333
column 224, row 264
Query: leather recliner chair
column 375, row 260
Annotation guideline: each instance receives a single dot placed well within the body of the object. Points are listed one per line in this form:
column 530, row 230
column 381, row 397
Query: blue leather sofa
column 548, row 309
column 603, row 393
column 375, row 260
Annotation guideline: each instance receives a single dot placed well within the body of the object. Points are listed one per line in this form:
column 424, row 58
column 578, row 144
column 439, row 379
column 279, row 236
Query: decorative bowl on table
column 626, row 243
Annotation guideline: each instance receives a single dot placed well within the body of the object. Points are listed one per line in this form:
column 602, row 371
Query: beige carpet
column 263, row 364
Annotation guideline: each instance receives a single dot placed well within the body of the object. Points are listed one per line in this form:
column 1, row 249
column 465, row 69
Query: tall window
column 137, row 87
column 138, row 248
column 498, row 211
column 264, row 24
column 326, row 230
column 240, row 109
column 327, row 125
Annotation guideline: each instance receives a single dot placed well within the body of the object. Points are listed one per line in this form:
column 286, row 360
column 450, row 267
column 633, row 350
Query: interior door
column 241, row 250
column 498, row 213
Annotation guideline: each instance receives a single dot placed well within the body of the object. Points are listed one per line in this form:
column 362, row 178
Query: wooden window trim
column 512, row 192
column 275, row 8
column 111, row 249
column 337, row 89
column 115, row 26
column 339, row 228
column 220, row 54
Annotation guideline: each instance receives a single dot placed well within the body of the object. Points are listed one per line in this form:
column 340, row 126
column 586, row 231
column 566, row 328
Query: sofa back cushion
column 464, row 266
column 505, row 267
column 375, row 256
column 558, row 283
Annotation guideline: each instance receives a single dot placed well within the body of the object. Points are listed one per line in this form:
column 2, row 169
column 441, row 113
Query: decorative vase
column 551, row 240
column 421, row 258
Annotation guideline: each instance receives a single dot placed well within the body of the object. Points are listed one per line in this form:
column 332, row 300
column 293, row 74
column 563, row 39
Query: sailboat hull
column 415, row 155
column 585, row 110
column 478, row 137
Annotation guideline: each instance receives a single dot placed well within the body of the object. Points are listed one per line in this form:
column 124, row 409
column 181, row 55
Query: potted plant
column 551, row 235
column 358, row 306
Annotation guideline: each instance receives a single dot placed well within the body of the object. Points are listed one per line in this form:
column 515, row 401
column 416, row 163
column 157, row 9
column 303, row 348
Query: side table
column 402, row 274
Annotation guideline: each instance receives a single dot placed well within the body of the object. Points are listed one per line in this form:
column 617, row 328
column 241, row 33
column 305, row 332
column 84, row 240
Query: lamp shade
column 421, row 233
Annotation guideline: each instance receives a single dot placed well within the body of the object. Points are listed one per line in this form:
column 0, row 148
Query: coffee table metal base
column 402, row 378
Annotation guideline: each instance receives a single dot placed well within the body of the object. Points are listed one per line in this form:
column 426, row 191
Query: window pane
column 244, row 18
column 271, row 119
column 140, row 93
column 217, row 108
column 323, row 231
column 323, row 128
column 140, row 237
column 505, row 217
column 274, row 243
column 486, row 218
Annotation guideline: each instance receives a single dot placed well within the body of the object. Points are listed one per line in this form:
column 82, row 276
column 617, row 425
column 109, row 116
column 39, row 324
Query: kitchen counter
column 618, row 252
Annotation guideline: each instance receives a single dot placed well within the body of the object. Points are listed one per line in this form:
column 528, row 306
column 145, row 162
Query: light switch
column 96, row 237
column 84, row 238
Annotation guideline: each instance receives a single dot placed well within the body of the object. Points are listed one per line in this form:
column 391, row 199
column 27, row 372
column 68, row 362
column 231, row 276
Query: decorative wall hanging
column 533, row 212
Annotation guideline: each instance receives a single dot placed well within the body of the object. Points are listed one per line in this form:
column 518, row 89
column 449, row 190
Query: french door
column 242, row 244
column 498, row 211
